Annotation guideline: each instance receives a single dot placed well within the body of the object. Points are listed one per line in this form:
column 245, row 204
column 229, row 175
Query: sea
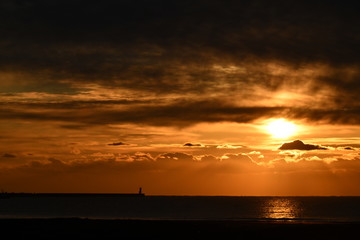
column 237, row 208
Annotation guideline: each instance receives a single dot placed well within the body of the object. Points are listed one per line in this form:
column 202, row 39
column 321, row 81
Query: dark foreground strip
column 75, row 228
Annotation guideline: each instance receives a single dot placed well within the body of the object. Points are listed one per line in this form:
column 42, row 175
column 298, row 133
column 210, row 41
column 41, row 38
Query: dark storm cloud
column 167, row 47
column 181, row 113
column 84, row 104
column 299, row 145
column 153, row 45
column 349, row 116
column 286, row 28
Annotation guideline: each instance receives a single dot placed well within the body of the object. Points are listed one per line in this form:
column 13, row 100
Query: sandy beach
column 174, row 229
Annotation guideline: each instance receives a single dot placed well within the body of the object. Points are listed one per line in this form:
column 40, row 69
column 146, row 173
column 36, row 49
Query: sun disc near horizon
column 281, row 128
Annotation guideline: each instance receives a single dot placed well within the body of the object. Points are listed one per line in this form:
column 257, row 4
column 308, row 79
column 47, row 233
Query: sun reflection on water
column 281, row 208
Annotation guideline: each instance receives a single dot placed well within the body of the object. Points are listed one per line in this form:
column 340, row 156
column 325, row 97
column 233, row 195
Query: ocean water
column 323, row 209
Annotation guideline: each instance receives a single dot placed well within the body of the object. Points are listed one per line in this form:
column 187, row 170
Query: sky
column 180, row 97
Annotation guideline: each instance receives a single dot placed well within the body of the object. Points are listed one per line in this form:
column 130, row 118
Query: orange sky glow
column 236, row 104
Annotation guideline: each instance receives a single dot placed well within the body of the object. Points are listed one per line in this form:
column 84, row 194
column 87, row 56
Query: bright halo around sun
column 281, row 128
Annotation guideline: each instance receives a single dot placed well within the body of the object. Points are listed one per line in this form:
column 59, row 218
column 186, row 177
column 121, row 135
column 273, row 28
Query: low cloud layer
column 247, row 173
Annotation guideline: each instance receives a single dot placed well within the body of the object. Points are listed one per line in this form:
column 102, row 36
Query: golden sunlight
column 281, row 128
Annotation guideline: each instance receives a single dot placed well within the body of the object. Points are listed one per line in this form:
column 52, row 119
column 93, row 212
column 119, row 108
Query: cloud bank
column 197, row 174
column 251, row 51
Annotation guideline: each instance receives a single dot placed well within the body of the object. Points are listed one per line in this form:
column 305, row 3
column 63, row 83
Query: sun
column 281, row 128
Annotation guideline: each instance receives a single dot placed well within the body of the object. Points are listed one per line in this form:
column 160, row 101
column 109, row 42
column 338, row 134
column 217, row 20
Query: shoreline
column 109, row 228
